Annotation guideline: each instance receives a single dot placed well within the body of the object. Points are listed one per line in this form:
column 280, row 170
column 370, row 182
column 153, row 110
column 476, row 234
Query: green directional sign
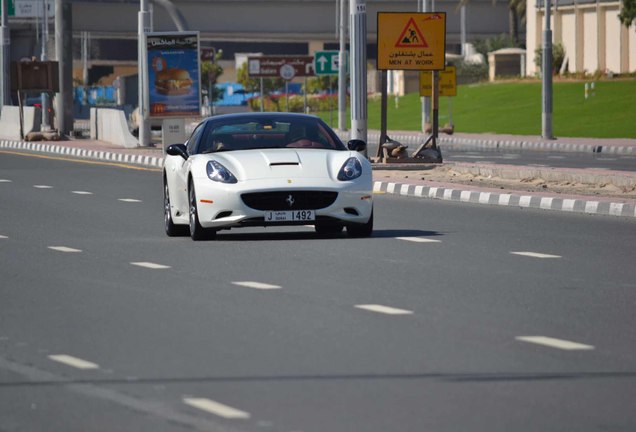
column 326, row 62
column 11, row 8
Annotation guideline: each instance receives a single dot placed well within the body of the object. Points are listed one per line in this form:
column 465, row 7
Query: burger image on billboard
column 173, row 81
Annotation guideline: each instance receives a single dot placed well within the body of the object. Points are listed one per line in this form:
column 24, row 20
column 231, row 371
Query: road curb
column 468, row 144
column 84, row 153
column 508, row 199
column 404, row 189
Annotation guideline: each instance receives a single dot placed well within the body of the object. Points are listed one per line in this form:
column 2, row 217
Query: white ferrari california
column 266, row 169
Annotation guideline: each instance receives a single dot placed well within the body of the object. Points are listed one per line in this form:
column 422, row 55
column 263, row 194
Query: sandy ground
column 447, row 174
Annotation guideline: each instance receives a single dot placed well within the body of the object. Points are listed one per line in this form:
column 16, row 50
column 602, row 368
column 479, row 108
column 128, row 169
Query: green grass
column 515, row 108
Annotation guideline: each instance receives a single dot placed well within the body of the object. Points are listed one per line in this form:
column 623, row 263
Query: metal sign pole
column 435, row 108
column 383, row 114
column 262, row 96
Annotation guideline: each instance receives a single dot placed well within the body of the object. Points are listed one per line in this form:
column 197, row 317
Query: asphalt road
column 436, row 323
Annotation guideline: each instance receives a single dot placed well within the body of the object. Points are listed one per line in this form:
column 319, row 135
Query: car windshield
column 264, row 132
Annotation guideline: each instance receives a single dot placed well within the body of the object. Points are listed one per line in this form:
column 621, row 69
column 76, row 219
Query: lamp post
column 358, row 45
column 5, row 41
column 546, row 94
column 143, row 28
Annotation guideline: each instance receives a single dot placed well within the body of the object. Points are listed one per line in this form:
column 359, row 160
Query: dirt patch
column 447, row 174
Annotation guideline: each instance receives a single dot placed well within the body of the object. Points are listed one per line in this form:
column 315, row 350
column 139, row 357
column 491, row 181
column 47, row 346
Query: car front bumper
column 220, row 205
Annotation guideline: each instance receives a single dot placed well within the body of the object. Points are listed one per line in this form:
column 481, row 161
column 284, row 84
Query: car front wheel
column 361, row 230
column 172, row 230
column 197, row 232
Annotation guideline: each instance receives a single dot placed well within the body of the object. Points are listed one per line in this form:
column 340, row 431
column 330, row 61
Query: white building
column 590, row 31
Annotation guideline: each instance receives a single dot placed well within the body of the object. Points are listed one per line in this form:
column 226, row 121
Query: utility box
column 507, row 62
column 173, row 132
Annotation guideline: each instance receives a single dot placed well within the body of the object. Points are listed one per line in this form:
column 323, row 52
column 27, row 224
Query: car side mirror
column 178, row 150
column 357, row 145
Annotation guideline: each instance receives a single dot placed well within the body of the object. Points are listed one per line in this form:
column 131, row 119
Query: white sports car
column 266, row 169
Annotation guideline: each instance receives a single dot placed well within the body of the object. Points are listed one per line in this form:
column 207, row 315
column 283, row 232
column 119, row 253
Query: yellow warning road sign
column 447, row 82
column 411, row 41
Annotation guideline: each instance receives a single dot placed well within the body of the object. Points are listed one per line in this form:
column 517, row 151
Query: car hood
column 282, row 163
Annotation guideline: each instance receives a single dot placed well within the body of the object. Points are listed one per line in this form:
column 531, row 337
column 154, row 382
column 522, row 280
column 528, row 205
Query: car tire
column 361, row 230
column 328, row 229
column 197, row 232
column 172, row 230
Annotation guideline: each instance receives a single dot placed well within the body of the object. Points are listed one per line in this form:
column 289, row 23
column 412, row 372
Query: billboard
column 174, row 84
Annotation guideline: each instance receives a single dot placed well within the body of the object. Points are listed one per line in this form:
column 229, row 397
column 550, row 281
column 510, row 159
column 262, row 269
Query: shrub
column 558, row 55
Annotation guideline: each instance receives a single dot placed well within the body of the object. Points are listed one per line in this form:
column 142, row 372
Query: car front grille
column 289, row 200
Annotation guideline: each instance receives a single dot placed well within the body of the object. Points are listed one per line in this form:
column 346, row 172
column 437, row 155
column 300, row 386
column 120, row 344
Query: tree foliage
column 253, row 85
column 211, row 70
column 628, row 12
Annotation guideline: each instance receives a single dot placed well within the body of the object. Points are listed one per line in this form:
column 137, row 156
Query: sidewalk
column 391, row 179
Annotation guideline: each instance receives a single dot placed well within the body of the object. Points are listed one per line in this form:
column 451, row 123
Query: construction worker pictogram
column 411, row 37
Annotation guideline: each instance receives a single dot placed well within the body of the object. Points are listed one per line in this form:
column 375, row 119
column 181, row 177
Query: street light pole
column 358, row 46
column 546, row 96
column 342, row 70
column 45, row 40
column 5, row 56
column 143, row 28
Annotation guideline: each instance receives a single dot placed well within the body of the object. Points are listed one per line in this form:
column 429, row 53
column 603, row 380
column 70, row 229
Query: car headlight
column 351, row 170
column 219, row 173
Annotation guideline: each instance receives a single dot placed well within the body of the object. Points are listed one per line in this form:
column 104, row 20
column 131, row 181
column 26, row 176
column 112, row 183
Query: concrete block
column 10, row 121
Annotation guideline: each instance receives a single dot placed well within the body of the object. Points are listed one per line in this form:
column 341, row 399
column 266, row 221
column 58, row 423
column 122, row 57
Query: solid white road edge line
column 256, row 285
column 150, row 265
column 73, row 361
column 64, row 249
column 535, row 255
column 216, row 408
column 555, row 343
column 384, row 309
column 418, row 239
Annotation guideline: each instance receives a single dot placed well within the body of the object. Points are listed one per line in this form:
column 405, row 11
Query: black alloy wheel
column 361, row 230
column 197, row 232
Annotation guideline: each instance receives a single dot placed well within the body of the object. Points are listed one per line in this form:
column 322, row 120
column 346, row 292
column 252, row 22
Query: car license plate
column 290, row 216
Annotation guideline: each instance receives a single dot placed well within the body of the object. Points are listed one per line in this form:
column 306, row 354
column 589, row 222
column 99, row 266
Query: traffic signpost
column 285, row 67
column 327, row 63
column 412, row 41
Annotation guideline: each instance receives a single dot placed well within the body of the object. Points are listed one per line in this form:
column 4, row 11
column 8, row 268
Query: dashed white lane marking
column 82, row 192
column 150, row 265
column 3, row 237
column 43, row 187
column 536, row 255
column 64, row 249
column 419, row 239
column 471, row 157
column 216, row 408
column 256, row 285
column 384, row 309
column 129, row 200
column 5, row 181
column 73, row 361
column 555, row 343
